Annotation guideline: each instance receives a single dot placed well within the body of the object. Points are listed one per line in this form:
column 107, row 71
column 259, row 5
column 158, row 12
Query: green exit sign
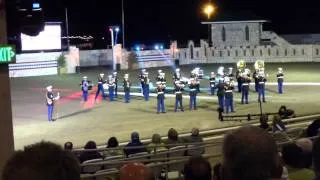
column 7, row 54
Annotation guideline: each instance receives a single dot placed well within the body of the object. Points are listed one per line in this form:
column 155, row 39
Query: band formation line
column 222, row 83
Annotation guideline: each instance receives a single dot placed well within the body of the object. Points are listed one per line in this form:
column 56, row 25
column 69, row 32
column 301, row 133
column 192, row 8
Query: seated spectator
column 249, row 153
column 173, row 138
column 68, row 146
column 197, row 168
column 136, row 171
column 316, row 158
column 264, row 122
column 277, row 124
column 89, row 155
column 297, row 162
column 156, row 143
column 285, row 113
column 313, row 128
column 195, row 138
column 42, row 161
column 113, row 143
column 135, row 142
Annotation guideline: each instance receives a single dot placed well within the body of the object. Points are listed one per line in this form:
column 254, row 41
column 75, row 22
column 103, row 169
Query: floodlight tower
column 113, row 29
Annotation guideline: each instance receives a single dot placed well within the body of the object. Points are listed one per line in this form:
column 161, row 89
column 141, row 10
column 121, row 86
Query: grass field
column 82, row 122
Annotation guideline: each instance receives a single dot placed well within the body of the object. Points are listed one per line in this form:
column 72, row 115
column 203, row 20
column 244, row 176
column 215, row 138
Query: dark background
column 150, row 21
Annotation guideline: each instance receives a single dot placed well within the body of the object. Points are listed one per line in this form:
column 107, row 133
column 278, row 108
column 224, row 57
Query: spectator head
column 41, row 161
column 305, row 144
column 68, row 146
column 295, row 157
column 136, row 171
column 277, row 124
column 197, row 168
column 173, row 134
column 195, row 132
column 90, row 145
column 135, row 137
column 264, row 121
column 313, row 128
column 156, row 139
column 316, row 156
column 249, row 153
column 282, row 109
column 112, row 142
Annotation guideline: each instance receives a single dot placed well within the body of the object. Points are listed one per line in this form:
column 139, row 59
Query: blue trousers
column 212, row 89
column 193, row 102
column 116, row 91
column 256, row 86
column 261, row 90
column 160, row 104
column 50, row 112
column 221, row 102
column 127, row 96
column 100, row 88
column 146, row 92
column 280, row 87
column 239, row 85
column 229, row 104
column 244, row 96
column 178, row 102
column 85, row 95
column 111, row 93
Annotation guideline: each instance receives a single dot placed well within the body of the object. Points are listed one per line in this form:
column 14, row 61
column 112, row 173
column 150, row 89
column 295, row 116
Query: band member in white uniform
column 50, row 102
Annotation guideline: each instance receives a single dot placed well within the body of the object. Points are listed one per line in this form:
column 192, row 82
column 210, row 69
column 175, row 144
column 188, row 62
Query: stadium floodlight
column 156, row 47
column 137, row 48
column 161, row 47
column 117, row 29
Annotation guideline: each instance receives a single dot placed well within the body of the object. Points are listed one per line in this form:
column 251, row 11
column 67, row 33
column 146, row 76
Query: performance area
column 79, row 122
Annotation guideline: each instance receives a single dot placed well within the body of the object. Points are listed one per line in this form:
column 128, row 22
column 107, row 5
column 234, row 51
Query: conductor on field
column 280, row 77
column 50, row 102
column 85, row 88
column 101, row 82
column 177, row 75
column 145, row 85
column 229, row 86
column 160, row 97
column 212, row 80
column 111, row 86
column 115, row 78
column 245, row 83
column 193, row 94
column 126, row 88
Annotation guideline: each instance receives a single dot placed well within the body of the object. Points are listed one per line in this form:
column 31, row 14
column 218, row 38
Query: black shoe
column 182, row 110
column 164, row 112
column 158, row 113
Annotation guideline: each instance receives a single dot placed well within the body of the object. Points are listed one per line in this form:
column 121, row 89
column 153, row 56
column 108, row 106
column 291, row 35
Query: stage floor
column 78, row 122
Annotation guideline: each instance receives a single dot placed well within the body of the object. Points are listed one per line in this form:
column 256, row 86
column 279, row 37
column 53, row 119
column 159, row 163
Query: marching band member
column 145, row 86
column 115, row 80
column 85, row 88
column 280, row 77
column 241, row 65
column 178, row 92
column 160, row 97
column 230, row 74
column 177, row 75
column 50, row 102
column 221, row 93
column 111, row 86
column 193, row 94
column 212, row 80
column 101, row 82
column 141, row 78
column 126, row 88
column 245, row 83
column 261, row 85
column 229, row 86
column 159, row 75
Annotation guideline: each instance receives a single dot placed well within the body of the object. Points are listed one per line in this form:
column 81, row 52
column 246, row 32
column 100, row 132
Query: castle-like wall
column 235, row 34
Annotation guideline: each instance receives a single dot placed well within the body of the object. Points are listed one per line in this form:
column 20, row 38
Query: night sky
column 150, row 21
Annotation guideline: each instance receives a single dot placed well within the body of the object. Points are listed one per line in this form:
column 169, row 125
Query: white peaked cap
column 230, row 67
column 143, row 70
column 146, row 73
column 110, row 76
column 212, row 72
column 280, row 68
column 177, row 82
column 85, row 77
column 101, row 74
column 178, row 69
column 159, row 70
column 49, row 88
column 115, row 73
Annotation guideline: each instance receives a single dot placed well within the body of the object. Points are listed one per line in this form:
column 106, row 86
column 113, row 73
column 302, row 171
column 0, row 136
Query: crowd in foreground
column 248, row 153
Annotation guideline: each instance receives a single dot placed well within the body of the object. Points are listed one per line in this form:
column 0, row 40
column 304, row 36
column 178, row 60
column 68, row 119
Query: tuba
column 259, row 65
